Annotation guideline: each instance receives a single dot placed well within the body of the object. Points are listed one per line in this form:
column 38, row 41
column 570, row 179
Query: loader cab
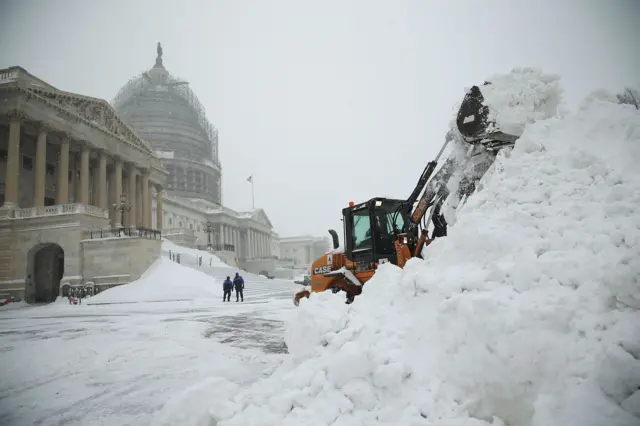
column 369, row 232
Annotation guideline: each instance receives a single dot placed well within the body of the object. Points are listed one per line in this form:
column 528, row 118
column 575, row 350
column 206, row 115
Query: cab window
column 361, row 235
column 384, row 217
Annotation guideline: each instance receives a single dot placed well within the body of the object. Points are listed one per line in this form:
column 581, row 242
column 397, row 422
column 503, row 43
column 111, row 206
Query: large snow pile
column 527, row 314
column 163, row 281
column 521, row 97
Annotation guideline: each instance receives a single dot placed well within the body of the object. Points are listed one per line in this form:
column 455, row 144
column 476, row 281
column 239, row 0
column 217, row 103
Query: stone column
column 75, row 177
column 255, row 243
column 93, row 172
column 235, row 239
column 84, row 175
column 259, row 243
column 126, row 215
column 138, row 202
column 40, row 171
column 62, row 193
column 146, row 205
column 117, row 217
column 132, row 197
column 266, row 245
column 102, row 181
column 12, row 177
column 159, row 216
column 111, row 173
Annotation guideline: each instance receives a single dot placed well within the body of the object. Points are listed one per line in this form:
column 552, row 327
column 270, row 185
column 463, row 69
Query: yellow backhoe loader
column 391, row 230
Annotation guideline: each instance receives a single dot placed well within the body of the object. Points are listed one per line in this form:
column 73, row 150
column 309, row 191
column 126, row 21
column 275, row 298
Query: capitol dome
column 163, row 110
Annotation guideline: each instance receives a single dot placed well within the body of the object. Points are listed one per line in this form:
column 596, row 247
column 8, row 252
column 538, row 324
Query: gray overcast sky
column 326, row 101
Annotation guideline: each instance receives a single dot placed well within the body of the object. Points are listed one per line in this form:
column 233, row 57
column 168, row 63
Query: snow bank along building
column 72, row 174
column 163, row 110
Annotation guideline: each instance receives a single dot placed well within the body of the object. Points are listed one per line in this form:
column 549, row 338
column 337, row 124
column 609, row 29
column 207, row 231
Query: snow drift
column 527, row 314
column 189, row 256
column 163, row 281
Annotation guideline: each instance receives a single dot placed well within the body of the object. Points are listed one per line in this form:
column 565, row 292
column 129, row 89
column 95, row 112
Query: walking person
column 238, row 283
column 227, row 286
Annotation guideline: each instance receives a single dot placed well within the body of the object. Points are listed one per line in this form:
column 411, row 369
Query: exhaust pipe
column 334, row 236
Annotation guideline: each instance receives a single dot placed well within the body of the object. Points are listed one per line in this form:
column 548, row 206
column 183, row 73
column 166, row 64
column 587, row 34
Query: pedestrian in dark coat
column 238, row 283
column 227, row 287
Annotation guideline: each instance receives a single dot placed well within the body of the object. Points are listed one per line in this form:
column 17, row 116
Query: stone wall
column 228, row 257
column 181, row 238
column 119, row 260
column 255, row 266
column 21, row 239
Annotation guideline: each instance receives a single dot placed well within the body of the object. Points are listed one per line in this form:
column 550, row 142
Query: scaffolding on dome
column 137, row 85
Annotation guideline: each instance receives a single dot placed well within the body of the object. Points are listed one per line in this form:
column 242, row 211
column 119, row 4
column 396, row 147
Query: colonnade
column 257, row 244
column 101, row 180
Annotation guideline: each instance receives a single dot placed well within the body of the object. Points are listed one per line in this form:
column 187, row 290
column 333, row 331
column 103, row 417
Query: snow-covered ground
column 135, row 355
column 527, row 314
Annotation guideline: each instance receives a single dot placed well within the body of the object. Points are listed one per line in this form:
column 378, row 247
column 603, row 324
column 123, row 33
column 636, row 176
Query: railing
column 217, row 247
column 174, row 231
column 60, row 209
column 150, row 234
column 8, row 75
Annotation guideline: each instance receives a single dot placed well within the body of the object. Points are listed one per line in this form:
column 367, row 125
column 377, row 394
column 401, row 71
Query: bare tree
column 629, row 96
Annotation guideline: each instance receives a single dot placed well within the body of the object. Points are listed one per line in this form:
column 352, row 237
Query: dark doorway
column 46, row 273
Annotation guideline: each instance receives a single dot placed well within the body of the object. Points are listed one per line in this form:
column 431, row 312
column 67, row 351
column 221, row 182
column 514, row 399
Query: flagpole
column 253, row 201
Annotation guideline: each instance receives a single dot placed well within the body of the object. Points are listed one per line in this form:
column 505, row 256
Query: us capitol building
column 163, row 110
column 89, row 188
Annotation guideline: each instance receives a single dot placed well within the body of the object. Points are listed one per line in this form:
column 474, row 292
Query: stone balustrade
column 176, row 231
column 61, row 209
column 7, row 76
